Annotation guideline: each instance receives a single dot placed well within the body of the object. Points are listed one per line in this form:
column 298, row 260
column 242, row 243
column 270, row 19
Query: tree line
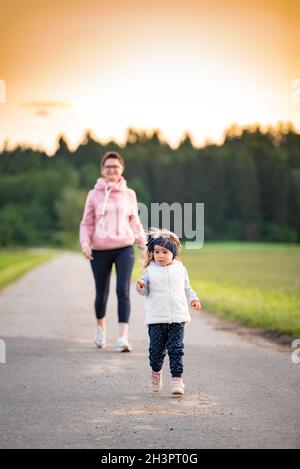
column 250, row 184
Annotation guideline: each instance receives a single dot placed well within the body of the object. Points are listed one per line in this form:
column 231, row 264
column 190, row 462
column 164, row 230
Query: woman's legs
column 123, row 329
column 102, row 323
column 101, row 266
column 124, row 261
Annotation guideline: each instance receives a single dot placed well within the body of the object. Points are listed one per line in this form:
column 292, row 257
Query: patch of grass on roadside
column 255, row 284
column 15, row 263
column 253, row 307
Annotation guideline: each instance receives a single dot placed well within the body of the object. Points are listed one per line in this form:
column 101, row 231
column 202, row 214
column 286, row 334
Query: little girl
column 168, row 294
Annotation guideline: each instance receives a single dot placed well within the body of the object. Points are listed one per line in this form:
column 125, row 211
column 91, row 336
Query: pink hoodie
column 110, row 219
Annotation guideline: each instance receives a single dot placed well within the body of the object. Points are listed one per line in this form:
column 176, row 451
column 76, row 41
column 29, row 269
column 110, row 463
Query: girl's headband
column 161, row 241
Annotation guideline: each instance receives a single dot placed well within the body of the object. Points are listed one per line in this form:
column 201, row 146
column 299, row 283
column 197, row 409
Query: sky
column 68, row 66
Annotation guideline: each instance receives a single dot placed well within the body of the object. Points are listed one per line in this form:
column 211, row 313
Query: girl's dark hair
column 112, row 154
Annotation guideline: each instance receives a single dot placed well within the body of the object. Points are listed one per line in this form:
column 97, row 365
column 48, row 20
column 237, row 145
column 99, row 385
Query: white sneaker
column 123, row 345
column 177, row 386
column 100, row 338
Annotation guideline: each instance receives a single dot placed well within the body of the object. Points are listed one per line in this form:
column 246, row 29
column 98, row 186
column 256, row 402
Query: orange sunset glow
column 196, row 66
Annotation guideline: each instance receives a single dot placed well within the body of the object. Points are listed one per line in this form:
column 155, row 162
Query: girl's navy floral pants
column 166, row 338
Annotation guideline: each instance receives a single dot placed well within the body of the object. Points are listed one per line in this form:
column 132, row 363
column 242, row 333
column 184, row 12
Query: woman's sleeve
column 88, row 221
column 136, row 225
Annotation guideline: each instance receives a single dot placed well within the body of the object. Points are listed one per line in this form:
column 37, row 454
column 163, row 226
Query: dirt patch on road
column 196, row 404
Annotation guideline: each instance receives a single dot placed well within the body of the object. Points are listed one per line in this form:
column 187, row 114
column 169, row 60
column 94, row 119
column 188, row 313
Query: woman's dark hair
column 112, row 154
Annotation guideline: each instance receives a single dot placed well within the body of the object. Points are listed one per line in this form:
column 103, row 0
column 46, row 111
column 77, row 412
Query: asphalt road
column 58, row 391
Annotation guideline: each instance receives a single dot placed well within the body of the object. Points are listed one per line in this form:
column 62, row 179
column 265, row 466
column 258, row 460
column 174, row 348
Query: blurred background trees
column 250, row 184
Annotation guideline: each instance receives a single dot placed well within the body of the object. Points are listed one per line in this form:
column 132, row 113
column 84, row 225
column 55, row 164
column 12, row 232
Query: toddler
column 168, row 295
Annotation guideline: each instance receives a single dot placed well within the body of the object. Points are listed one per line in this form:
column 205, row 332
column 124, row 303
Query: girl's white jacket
column 167, row 293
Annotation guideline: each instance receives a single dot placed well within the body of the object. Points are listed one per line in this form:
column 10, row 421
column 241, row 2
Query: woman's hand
column 141, row 284
column 196, row 305
column 87, row 252
column 144, row 251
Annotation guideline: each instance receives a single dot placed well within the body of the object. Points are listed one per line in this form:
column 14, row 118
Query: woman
column 109, row 228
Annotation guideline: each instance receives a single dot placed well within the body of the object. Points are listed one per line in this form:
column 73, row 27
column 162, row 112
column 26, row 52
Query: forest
column 250, row 184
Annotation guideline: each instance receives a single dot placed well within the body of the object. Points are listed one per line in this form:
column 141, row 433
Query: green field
column 16, row 262
column 256, row 284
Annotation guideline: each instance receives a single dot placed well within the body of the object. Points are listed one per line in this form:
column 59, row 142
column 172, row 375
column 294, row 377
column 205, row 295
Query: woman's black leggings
column 102, row 265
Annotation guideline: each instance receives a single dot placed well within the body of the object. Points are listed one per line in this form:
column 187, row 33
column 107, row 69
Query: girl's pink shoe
column 156, row 381
column 177, row 386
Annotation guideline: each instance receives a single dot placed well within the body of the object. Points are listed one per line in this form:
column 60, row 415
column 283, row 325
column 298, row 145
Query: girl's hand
column 141, row 284
column 87, row 252
column 196, row 305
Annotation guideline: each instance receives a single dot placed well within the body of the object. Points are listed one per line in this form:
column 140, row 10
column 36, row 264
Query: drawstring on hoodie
column 101, row 220
column 107, row 192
